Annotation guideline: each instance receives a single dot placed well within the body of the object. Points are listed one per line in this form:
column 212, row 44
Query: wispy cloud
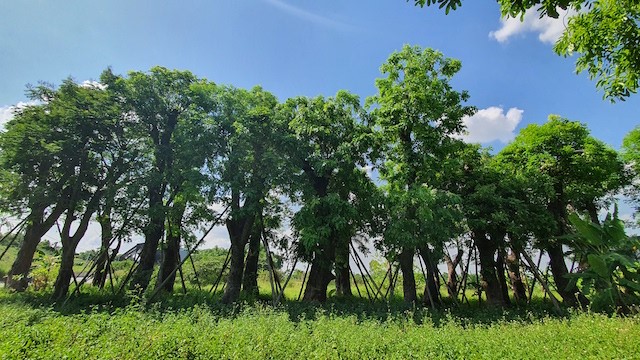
column 548, row 29
column 309, row 16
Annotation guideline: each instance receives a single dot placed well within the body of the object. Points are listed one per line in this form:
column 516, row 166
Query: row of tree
column 153, row 153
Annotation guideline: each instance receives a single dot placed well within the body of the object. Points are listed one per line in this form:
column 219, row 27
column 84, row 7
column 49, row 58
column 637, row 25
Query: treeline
column 164, row 153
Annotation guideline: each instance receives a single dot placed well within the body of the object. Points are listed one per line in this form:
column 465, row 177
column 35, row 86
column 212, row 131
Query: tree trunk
column 452, row 276
column 568, row 291
column 408, row 278
column 250, row 276
column 239, row 231
column 319, row 276
column 37, row 226
column 65, row 273
column 431, row 295
column 343, row 279
column 106, row 236
column 170, row 261
column 513, row 268
column 489, row 278
column 18, row 277
column 502, row 280
column 153, row 233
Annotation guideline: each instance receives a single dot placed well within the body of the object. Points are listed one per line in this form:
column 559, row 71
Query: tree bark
column 343, row 279
column 250, row 276
column 513, row 268
column 36, row 227
column 106, row 236
column 431, row 295
column 319, row 276
column 568, row 291
column 153, row 233
column 65, row 272
column 452, row 277
column 502, row 280
column 408, row 277
column 239, row 230
column 489, row 279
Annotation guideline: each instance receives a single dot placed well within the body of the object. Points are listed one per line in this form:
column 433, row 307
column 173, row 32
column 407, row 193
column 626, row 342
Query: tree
column 417, row 113
column 326, row 143
column 604, row 32
column 579, row 170
column 248, row 167
column 161, row 103
column 68, row 139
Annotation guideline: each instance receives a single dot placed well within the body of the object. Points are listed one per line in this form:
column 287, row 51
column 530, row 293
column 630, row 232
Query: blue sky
column 309, row 48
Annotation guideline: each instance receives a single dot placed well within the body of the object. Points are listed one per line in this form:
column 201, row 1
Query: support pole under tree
column 304, row 279
column 213, row 224
column 433, row 305
column 15, row 236
column 224, row 266
column 368, row 274
column 295, row 262
column 536, row 273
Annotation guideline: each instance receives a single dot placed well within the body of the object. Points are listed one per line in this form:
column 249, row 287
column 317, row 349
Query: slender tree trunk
column 431, row 294
column 18, row 277
column 408, row 277
column 593, row 212
column 106, row 236
column 452, row 277
column 171, row 258
column 65, row 273
column 513, row 268
column 569, row 292
column 489, row 278
column 320, row 275
column 502, row 280
column 250, row 276
column 343, row 279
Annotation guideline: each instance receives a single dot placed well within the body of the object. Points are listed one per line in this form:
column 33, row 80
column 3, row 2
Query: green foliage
column 606, row 37
column 260, row 333
column 604, row 32
column 612, row 275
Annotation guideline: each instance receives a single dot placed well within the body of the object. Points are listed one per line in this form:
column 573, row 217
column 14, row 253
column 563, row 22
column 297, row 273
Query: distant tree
column 417, row 114
column 605, row 33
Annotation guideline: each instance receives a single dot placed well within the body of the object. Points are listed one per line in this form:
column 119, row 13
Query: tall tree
column 579, row 169
column 326, row 143
column 417, row 113
column 160, row 102
column 248, row 170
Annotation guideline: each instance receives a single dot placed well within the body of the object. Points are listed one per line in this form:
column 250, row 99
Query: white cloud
column 7, row 112
column 308, row 16
column 492, row 124
column 548, row 29
column 93, row 84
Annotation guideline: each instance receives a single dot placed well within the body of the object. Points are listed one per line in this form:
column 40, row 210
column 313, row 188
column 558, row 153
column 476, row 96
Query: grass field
column 174, row 328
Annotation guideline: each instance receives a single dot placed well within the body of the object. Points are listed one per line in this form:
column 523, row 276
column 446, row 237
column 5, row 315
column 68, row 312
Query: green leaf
column 598, row 265
column 591, row 233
